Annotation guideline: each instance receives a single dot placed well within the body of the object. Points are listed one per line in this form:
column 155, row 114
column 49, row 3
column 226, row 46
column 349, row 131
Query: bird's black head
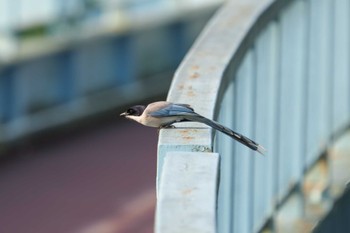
column 134, row 111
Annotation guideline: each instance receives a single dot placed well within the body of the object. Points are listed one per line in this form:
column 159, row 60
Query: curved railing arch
column 276, row 71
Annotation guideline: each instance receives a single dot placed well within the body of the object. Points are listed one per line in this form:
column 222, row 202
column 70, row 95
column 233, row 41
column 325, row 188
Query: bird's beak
column 124, row 114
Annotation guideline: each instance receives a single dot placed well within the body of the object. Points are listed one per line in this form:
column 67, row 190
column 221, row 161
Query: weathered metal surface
column 270, row 78
column 187, row 193
column 198, row 79
column 337, row 218
column 182, row 139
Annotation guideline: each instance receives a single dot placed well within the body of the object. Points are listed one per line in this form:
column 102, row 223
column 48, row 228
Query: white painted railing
column 277, row 72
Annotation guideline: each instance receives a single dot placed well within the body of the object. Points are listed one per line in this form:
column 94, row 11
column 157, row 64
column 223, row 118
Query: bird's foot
column 167, row 127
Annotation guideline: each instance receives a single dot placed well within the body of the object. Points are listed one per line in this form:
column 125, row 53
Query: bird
column 163, row 114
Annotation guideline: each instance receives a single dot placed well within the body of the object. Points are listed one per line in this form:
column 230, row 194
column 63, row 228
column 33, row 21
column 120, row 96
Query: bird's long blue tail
column 238, row 137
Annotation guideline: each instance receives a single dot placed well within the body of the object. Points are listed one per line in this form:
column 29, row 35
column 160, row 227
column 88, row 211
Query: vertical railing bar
column 234, row 221
column 348, row 18
column 272, row 37
column 311, row 90
column 278, row 102
column 253, row 133
column 234, row 162
column 243, row 158
column 127, row 67
column 331, row 84
column 271, row 78
column 68, row 82
column 224, row 145
column 232, row 154
column 289, row 115
column 306, row 87
column 303, row 136
column 264, row 60
column 349, row 57
column 331, row 69
column 277, row 110
column 233, row 148
column 8, row 95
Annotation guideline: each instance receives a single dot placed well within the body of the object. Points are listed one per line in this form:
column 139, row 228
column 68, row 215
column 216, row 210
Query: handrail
column 277, row 72
column 199, row 77
column 198, row 80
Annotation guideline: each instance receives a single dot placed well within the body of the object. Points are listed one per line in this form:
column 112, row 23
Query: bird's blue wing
column 173, row 110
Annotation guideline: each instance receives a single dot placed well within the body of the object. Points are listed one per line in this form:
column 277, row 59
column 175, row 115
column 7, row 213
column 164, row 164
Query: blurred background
column 67, row 69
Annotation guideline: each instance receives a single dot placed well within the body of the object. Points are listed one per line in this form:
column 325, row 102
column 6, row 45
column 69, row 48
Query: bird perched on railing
column 163, row 114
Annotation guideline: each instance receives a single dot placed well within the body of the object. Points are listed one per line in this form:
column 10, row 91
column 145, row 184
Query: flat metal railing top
column 276, row 71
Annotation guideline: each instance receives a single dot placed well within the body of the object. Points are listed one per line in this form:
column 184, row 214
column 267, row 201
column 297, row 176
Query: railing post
column 187, row 193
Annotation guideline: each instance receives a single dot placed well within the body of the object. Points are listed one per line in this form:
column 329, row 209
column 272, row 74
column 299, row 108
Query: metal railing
column 278, row 72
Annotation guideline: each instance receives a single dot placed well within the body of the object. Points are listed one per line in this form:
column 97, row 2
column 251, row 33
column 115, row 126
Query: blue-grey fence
column 278, row 72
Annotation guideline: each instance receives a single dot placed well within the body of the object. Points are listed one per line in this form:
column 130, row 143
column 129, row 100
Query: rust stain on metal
column 304, row 225
column 188, row 191
column 316, row 180
column 236, row 19
column 195, row 75
column 188, row 138
column 195, row 67
column 184, row 131
column 185, row 136
column 191, row 93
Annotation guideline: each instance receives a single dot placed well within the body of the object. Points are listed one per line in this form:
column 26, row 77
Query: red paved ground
column 97, row 180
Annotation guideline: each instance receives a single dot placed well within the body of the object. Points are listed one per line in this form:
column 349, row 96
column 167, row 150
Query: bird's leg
column 167, row 126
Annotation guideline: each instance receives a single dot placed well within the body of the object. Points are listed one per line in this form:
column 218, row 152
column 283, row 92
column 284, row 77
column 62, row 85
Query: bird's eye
column 130, row 111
